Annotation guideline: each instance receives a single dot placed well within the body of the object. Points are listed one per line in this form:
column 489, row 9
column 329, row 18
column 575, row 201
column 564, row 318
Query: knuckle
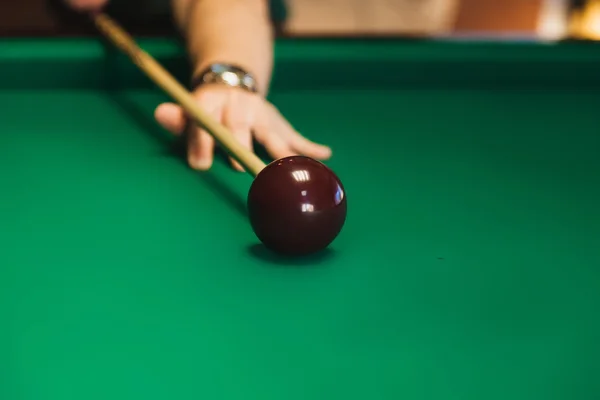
column 204, row 96
column 237, row 125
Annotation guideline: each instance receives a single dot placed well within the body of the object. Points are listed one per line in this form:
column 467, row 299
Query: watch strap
column 225, row 74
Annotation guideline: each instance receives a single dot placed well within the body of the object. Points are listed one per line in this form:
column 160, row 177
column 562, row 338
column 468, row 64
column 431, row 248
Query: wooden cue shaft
column 250, row 161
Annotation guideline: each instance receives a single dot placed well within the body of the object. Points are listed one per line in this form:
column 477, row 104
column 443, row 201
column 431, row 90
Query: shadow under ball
column 297, row 206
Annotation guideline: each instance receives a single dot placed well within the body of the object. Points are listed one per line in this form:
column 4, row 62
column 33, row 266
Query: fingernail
column 199, row 163
column 238, row 166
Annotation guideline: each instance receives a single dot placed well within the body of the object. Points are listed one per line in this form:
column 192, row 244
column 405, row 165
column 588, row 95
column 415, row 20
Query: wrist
column 232, row 32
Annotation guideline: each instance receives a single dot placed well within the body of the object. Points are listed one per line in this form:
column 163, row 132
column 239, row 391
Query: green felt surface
column 469, row 267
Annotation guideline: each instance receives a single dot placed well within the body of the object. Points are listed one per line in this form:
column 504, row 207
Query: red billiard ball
column 297, row 206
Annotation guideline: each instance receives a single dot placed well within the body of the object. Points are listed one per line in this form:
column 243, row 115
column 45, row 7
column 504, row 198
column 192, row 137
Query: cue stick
column 157, row 73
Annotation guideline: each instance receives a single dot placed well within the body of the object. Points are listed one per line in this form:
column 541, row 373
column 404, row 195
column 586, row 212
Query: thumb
column 171, row 117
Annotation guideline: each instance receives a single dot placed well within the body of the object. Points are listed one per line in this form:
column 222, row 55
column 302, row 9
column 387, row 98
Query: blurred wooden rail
column 20, row 17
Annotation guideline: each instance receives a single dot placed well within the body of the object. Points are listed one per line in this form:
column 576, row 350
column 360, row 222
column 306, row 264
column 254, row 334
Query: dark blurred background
column 509, row 19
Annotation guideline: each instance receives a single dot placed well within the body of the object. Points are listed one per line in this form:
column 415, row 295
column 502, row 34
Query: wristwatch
column 227, row 74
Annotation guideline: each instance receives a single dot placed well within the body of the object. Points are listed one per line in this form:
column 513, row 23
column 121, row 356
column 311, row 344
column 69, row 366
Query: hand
column 86, row 5
column 248, row 116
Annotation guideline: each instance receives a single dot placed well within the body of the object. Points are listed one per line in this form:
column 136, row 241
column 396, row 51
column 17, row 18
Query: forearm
column 232, row 31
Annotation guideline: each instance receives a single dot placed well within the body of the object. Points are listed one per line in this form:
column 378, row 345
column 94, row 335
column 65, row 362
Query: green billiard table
column 468, row 268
